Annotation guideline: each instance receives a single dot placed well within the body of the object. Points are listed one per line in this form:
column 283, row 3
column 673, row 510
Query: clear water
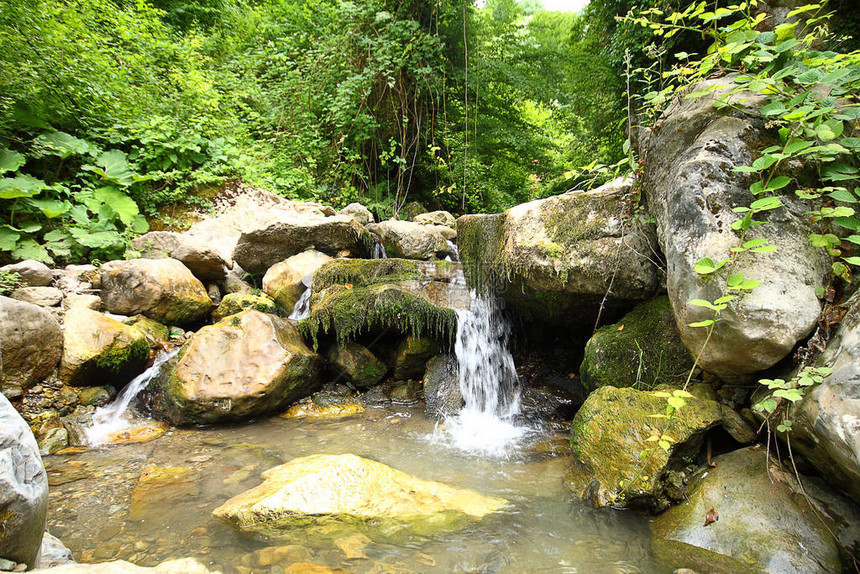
column 302, row 308
column 378, row 249
column 117, row 417
column 541, row 531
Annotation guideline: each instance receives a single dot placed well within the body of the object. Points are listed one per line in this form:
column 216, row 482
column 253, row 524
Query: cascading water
column 488, row 382
column 378, row 249
column 453, row 252
column 302, row 308
column 115, row 417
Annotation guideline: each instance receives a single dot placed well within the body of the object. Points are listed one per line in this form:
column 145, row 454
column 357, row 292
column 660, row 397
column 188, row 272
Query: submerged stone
column 763, row 525
column 159, row 486
column 643, row 349
column 323, row 493
column 311, row 409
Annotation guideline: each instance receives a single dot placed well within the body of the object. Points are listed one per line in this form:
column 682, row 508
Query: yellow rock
column 311, row 409
column 281, row 554
column 311, row 568
column 159, row 486
column 353, row 546
column 330, row 492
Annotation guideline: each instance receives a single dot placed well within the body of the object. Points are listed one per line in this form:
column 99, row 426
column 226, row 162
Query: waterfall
column 488, row 382
column 111, row 419
column 378, row 248
column 453, row 252
column 302, row 308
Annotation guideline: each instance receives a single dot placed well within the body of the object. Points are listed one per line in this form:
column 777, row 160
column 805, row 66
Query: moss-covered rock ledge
column 556, row 258
column 351, row 297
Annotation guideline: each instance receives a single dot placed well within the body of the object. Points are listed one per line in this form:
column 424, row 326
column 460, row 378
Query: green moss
column 365, row 272
column 569, row 218
column 481, row 241
column 641, row 350
column 350, row 312
column 116, row 358
column 238, row 302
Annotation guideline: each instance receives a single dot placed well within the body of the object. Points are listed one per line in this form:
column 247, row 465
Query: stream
column 99, row 516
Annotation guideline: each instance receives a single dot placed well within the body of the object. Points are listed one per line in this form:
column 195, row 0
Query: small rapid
column 116, row 417
column 302, row 308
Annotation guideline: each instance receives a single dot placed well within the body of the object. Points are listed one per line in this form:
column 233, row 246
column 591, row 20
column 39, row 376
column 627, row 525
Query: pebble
column 7, row 565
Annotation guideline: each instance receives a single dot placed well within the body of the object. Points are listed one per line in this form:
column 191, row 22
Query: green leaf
column 10, row 160
column 778, row 183
column 792, row 395
column 853, row 143
column 725, row 299
column 705, row 266
column 139, row 225
column 764, row 162
column 121, row 204
column 843, row 195
column 839, row 172
column 838, row 211
column 773, row 109
column 755, row 243
column 29, row 249
column 795, row 146
column 766, row 203
column 735, row 279
column 852, row 260
column 8, row 238
column 98, row 239
column 20, row 186
column 676, row 402
column 50, row 208
column 705, row 323
column 749, row 284
column 113, row 166
column 64, row 145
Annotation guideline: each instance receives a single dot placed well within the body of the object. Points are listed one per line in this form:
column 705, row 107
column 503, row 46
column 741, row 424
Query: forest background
column 118, row 115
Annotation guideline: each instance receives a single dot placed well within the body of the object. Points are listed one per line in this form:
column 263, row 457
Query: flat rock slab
column 326, row 492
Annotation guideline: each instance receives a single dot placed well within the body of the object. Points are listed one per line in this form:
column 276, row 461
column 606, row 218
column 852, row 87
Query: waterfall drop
column 115, row 417
column 488, row 383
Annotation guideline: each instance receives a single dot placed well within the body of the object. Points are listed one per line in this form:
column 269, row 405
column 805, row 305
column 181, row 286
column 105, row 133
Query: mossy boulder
column 357, row 364
column 156, row 333
column 412, row 355
column 286, row 281
column 330, row 495
column 245, row 365
column 98, row 350
column 339, row 235
column 161, row 289
column 642, row 350
column 233, row 303
column 616, row 463
column 563, row 254
column 354, row 296
column 31, row 343
column 764, row 523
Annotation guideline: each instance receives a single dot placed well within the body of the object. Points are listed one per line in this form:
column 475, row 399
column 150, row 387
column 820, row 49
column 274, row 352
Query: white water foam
column 488, row 382
column 117, row 417
column 378, row 249
column 302, row 308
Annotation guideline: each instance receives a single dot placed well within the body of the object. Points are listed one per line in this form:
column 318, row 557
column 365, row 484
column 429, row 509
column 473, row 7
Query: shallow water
column 541, row 530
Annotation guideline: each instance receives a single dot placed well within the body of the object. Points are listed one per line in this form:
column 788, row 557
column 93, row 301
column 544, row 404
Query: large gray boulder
column 31, row 343
column 436, row 218
column 203, row 260
column 161, row 289
column 23, row 489
column 245, row 365
column 358, row 212
column 691, row 190
column 340, row 235
column 826, row 426
column 410, row 240
column 562, row 255
column 763, row 524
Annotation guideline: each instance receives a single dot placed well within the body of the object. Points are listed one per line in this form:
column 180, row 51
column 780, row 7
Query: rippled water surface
column 94, row 512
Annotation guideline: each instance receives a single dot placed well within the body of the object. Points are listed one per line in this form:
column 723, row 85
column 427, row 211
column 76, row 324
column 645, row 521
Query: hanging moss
column 481, row 243
column 365, row 272
column 350, row 312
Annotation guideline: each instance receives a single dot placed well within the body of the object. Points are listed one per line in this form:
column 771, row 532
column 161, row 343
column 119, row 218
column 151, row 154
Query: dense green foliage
column 112, row 110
